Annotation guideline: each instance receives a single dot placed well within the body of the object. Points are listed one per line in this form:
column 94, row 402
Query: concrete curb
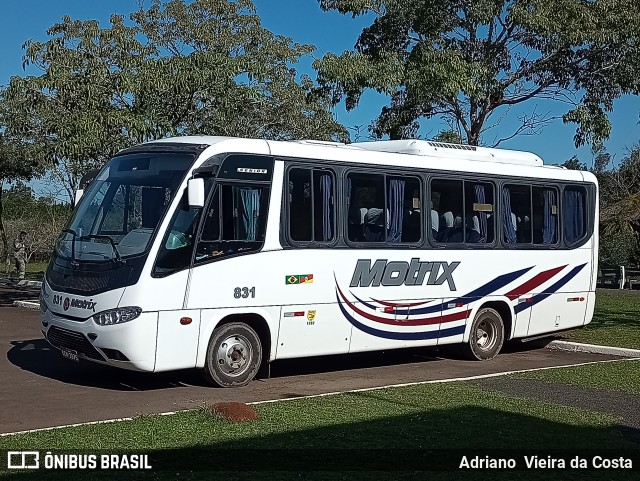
column 594, row 349
column 27, row 304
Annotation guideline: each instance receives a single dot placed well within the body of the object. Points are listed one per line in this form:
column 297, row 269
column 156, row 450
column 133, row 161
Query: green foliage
column 620, row 190
column 16, row 162
column 204, row 67
column 41, row 218
column 574, row 164
column 20, row 202
column 15, row 159
column 468, row 61
column 618, row 247
column 448, row 136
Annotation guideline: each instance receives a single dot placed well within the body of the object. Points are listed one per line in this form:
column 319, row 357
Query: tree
column 574, row 164
column 204, row 67
column 471, row 61
column 15, row 163
column 41, row 218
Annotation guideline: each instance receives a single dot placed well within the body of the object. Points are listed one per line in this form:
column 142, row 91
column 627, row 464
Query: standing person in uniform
column 19, row 254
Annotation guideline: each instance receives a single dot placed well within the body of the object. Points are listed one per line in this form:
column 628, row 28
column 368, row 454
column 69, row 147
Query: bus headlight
column 116, row 316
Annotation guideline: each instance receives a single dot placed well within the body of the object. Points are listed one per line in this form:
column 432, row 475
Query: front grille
column 65, row 339
column 77, row 282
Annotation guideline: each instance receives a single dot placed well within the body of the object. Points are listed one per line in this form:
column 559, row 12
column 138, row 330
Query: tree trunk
column 474, row 135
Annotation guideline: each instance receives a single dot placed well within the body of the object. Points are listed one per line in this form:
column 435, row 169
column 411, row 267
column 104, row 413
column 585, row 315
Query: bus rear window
column 574, row 214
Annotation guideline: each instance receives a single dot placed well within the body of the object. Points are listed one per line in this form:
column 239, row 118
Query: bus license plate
column 70, row 354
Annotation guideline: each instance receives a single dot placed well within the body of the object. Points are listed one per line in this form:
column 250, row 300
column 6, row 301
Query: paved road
column 38, row 388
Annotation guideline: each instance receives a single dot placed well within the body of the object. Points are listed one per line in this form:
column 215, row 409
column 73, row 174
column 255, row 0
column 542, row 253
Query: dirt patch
column 235, row 412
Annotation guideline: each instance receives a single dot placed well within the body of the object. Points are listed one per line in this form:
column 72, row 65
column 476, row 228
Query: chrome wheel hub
column 486, row 335
column 234, row 355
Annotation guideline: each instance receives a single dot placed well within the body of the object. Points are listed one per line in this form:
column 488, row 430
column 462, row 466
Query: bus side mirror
column 195, row 192
column 78, row 196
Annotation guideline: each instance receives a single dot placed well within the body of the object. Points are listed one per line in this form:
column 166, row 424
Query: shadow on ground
column 39, row 357
column 399, row 447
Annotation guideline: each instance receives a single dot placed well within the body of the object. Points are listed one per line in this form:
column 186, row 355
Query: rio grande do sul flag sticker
column 299, row 279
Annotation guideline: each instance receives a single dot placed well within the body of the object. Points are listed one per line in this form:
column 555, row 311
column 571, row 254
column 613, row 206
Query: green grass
column 33, row 270
column 613, row 376
column 434, row 416
column 616, row 320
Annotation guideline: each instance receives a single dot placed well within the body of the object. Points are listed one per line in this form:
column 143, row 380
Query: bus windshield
column 121, row 210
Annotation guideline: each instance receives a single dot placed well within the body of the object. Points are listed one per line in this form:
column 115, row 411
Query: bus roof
column 459, row 151
column 411, row 153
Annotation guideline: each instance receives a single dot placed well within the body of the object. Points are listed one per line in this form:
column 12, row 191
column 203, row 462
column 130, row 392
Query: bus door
column 178, row 329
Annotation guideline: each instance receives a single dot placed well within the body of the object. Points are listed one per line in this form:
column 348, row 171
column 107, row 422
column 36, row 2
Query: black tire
column 233, row 356
column 487, row 335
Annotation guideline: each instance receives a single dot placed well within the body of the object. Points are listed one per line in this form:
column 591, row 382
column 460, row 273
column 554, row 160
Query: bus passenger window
column 446, row 201
column 404, row 209
column 479, row 218
column 516, row 221
column 574, row 214
column 311, row 205
column 545, row 215
column 384, row 208
column 366, row 217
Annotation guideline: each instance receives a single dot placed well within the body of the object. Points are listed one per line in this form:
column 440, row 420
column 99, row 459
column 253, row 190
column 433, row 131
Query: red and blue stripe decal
column 427, row 319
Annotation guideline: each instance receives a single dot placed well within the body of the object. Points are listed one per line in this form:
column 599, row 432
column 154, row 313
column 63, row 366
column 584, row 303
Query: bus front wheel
column 233, row 356
column 487, row 335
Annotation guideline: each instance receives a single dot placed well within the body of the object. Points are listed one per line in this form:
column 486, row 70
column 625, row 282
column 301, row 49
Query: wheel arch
column 255, row 319
column 500, row 304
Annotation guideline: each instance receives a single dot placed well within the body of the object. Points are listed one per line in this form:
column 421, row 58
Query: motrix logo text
column 397, row 273
column 67, row 302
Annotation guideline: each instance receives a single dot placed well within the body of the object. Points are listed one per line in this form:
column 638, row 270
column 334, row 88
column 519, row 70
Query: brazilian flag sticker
column 298, row 279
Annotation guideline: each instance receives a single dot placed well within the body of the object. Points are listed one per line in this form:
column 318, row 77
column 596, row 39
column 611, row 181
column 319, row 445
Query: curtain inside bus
column 251, row 211
column 573, row 215
column 396, row 210
column 481, row 216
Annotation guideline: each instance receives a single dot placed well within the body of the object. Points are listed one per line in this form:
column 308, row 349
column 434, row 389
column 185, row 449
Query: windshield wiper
column 118, row 259
column 73, row 242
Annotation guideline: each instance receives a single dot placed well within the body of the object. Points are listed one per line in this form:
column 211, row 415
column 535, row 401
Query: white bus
column 224, row 254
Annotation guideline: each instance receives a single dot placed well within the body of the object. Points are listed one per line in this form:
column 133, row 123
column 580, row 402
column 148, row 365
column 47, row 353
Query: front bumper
column 131, row 345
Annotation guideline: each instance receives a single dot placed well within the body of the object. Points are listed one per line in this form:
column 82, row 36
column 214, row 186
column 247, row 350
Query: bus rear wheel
column 487, row 335
column 233, row 356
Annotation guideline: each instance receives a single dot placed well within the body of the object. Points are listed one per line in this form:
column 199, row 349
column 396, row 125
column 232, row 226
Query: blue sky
column 303, row 21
